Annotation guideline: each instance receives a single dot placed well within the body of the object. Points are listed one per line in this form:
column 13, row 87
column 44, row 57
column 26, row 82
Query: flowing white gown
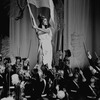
column 45, row 48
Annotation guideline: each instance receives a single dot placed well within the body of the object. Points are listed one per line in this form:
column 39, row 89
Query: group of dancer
column 12, row 74
column 59, row 83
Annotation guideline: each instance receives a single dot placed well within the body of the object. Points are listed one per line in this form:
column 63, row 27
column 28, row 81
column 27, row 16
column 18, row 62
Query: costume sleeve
column 93, row 64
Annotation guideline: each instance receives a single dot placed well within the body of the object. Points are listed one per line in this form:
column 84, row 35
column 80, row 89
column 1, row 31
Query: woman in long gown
column 45, row 45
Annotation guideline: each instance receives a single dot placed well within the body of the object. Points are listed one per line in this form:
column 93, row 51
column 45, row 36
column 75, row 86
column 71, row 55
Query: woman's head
column 43, row 21
column 18, row 59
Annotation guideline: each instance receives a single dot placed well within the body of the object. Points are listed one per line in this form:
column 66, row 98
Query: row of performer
column 61, row 82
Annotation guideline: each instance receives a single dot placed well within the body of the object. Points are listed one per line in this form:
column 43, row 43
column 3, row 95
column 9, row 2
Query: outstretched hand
column 89, row 55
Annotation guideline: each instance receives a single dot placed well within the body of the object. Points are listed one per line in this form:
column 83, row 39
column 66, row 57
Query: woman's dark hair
column 41, row 18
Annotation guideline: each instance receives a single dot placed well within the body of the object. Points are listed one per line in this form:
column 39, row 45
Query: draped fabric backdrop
column 77, row 30
column 23, row 38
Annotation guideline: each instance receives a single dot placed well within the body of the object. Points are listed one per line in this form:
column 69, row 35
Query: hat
column 24, row 59
column 18, row 57
column 7, row 60
column 68, row 53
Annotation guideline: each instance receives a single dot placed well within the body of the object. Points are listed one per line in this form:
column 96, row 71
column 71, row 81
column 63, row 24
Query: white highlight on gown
column 46, row 47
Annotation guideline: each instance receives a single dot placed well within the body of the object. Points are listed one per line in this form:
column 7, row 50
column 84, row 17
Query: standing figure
column 45, row 45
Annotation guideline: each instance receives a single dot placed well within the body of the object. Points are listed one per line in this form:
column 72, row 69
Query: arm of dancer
column 43, row 30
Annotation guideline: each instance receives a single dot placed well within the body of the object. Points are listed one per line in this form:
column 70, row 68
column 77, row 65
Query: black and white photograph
column 49, row 49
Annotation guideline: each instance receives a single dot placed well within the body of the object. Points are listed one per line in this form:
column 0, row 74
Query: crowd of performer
column 59, row 83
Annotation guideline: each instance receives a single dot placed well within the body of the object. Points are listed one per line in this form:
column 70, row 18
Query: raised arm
column 40, row 29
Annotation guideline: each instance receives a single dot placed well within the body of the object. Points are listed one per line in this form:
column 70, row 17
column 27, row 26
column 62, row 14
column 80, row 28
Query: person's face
column 92, row 70
column 92, row 80
column 45, row 21
column 60, row 54
column 67, row 61
column 25, row 63
column 76, row 75
column 18, row 61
